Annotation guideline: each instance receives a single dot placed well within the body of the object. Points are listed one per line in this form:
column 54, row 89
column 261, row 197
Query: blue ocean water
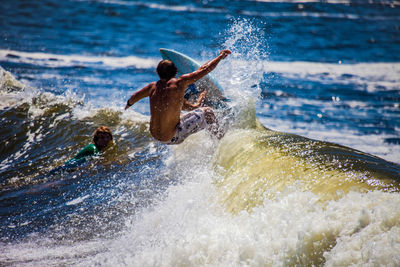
column 326, row 70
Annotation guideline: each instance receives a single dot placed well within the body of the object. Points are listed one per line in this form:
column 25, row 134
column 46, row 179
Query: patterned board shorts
column 189, row 123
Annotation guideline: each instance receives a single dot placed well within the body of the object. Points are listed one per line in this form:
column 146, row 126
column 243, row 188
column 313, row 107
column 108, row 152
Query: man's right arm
column 187, row 106
column 142, row 93
column 193, row 77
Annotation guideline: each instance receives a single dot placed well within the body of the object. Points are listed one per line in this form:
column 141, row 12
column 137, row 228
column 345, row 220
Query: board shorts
column 190, row 123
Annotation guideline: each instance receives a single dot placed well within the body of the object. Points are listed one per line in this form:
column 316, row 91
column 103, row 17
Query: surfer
column 167, row 100
column 102, row 136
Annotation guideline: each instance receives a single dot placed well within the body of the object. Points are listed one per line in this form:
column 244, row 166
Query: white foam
column 45, row 253
column 370, row 76
column 197, row 9
column 7, row 80
column 191, row 228
column 57, row 60
column 307, row 14
column 375, row 74
column 77, row 200
column 173, row 8
column 344, row 2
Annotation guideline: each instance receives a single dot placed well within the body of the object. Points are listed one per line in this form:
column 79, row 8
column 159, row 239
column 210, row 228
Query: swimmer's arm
column 187, row 106
column 193, row 77
column 142, row 93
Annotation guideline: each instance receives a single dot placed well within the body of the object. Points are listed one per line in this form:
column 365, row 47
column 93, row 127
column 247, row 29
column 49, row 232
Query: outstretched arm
column 142, row 93
column 190, row 78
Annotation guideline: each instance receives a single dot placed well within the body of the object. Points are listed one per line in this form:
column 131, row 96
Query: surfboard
column 185, row 65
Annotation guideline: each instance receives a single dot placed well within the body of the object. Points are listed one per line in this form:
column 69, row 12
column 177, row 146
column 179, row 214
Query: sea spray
column 245, row 66
column 190, row 228
column 243, row 71
column 8, row 82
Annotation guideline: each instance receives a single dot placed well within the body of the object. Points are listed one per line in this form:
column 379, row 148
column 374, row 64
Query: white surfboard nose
column 184, row 63
column 164, row 52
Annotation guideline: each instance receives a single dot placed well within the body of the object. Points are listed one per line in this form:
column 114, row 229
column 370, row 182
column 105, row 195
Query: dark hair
column 101, row 129
column 166, row 69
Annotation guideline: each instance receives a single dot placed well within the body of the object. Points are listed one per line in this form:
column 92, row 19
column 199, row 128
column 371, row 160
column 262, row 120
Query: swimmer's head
column 102, row 137
column 166, row 69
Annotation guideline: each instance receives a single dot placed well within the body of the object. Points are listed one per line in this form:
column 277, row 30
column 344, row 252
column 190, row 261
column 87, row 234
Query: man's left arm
column 142, row 93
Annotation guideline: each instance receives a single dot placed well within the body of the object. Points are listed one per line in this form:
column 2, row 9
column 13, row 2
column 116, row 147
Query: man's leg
column 194, row 121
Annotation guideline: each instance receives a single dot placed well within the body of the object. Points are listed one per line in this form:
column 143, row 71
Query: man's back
column 167, row 97
column 166, row 100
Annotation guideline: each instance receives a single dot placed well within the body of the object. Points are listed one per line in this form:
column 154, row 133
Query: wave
column 189, row 228
column 57, row 60
column 308, row 14
column 343, row 2
column 8, row 82
column 375, row 144
column 191, row 8
column 174, row 8
column 222, row 214
column 38, row 126
column 386, row 74
column 256, row 197
column 43, row 117
column 257, row 163
column 374, row 75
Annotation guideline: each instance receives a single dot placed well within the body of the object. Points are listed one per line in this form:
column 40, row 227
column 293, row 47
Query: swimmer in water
column 101, row 138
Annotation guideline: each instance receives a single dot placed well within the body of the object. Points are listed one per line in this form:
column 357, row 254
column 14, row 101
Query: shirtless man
column 167, row 100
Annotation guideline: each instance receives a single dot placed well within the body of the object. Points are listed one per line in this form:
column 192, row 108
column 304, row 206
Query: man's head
column 166, row 69
column 101, row 137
